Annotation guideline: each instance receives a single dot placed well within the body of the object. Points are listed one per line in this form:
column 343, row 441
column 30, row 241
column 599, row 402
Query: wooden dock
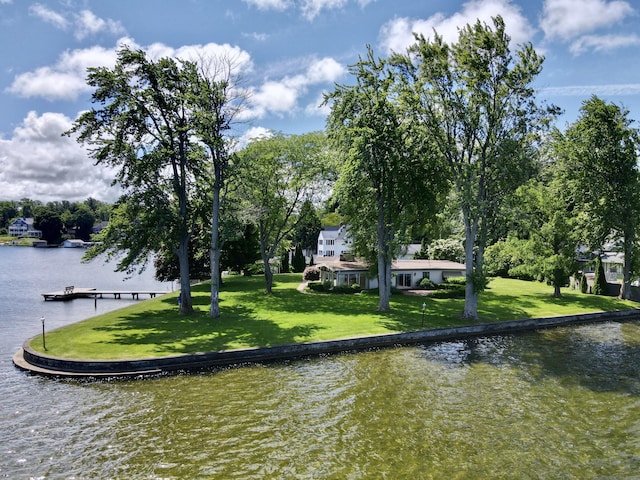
column 71, row 292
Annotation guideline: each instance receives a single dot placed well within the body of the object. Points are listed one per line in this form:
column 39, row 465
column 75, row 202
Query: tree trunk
column 214, row 250
column 268, row 275
column 186, row 305
column 470, row 293
column 556, row 291
column 625, row 289
column 384, row 267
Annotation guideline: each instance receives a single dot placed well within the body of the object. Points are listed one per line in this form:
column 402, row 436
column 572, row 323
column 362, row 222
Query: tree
column 477, row 103
column 83, row 220
column 277, row 173
column 48, row 221
column 389, row 177
column 241, row 250
column 217, row 100
column 551, row 234
column 298, row 263
column 8, row 212
column 597, row 159
column 143, row 128
column 308, row 227
column 600, row 280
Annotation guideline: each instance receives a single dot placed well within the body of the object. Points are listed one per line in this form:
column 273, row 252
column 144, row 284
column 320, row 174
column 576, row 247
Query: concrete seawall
column 28, row 359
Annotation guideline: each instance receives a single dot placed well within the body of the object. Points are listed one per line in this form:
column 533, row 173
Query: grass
column 154, row 328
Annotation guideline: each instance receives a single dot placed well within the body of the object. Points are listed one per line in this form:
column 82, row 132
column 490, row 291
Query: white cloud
column 309, row 9
column 38, row 162
column 568, row 19
column 270, row 4
column 252, row 134
column 282, row 96
column 397, row 34
column 312, row 8
column 88, row 24
column 49, row 16
column 85, row 23
column 603, row 42
column 621, row 89
column 66, row 79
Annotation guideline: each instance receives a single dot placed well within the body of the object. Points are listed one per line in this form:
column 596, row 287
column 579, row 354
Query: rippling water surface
column 563, row 403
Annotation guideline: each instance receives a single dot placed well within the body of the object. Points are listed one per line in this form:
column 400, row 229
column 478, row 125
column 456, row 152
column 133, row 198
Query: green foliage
column 426, row 284
column 276, row 174
column 298, row 263
column 49, row 222
column 284, row 261
column 446, row 249
column 307, row 227
column 390, row 177
column 584, row 285
column 600, row 281
column 477, row 102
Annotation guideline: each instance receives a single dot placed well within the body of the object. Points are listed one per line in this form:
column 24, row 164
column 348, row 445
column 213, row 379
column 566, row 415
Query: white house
column 405, row 274
column 333, row 241
column 23, row 227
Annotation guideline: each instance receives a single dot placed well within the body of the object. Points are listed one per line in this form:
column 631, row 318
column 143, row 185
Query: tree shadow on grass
column 173, row 333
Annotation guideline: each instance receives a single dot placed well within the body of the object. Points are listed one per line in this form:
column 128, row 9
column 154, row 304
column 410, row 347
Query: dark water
column 563, row 403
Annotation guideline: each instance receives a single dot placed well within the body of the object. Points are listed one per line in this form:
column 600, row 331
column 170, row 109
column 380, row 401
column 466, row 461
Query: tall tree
column 277, row 173
column 308, row 227
column 389, row 175
column 217, row 100
column 477, row 102
column 598, row 157
column 47, row 220
column 142, row 127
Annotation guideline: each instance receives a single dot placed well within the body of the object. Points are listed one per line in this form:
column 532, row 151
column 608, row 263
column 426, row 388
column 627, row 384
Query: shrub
column 427, row 284
column 452, row 291
column 584, row 286
column 311, row 274
column 456, row 280
column 318, row 286
column 600, row 280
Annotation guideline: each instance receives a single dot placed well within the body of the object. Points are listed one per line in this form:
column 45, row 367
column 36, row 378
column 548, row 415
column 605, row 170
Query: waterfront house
column 23, row 227
column 405, row 274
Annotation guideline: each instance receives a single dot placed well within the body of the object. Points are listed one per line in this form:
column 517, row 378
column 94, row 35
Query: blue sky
column 289, row 53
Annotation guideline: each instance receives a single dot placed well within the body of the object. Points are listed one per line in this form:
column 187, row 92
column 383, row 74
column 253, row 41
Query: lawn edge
column 41, row 364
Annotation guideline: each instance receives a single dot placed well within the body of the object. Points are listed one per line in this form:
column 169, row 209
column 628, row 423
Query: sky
column 288, row 52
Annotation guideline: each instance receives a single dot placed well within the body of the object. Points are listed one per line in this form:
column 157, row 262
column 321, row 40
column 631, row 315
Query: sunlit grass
column 250, row 318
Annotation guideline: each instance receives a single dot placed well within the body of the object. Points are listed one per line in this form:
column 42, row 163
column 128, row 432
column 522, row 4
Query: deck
column 69, row 293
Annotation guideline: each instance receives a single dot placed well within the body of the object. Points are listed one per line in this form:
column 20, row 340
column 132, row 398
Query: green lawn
column 154, row 327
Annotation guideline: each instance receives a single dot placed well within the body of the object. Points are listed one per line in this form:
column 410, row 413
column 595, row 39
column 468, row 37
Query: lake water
column 562, row 403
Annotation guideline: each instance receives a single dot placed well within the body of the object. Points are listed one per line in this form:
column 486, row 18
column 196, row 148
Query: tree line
column 445, row 139
column 56, row 220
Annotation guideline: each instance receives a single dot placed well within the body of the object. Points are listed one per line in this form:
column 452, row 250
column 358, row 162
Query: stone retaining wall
column 36, row 362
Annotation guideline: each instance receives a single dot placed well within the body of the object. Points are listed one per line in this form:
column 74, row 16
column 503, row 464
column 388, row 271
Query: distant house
column 23, row 227
column 405, row 274
column 73, row 243
column 333, row 241
column 98, row 227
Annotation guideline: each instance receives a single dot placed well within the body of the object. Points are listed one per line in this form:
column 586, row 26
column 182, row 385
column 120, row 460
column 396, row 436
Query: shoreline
column 34, row 362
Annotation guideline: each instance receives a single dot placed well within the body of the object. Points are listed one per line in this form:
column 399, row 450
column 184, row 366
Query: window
column 426, row 274
column 404, row 280
column 329, row 253
column 320, row 241
column 330, row 242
